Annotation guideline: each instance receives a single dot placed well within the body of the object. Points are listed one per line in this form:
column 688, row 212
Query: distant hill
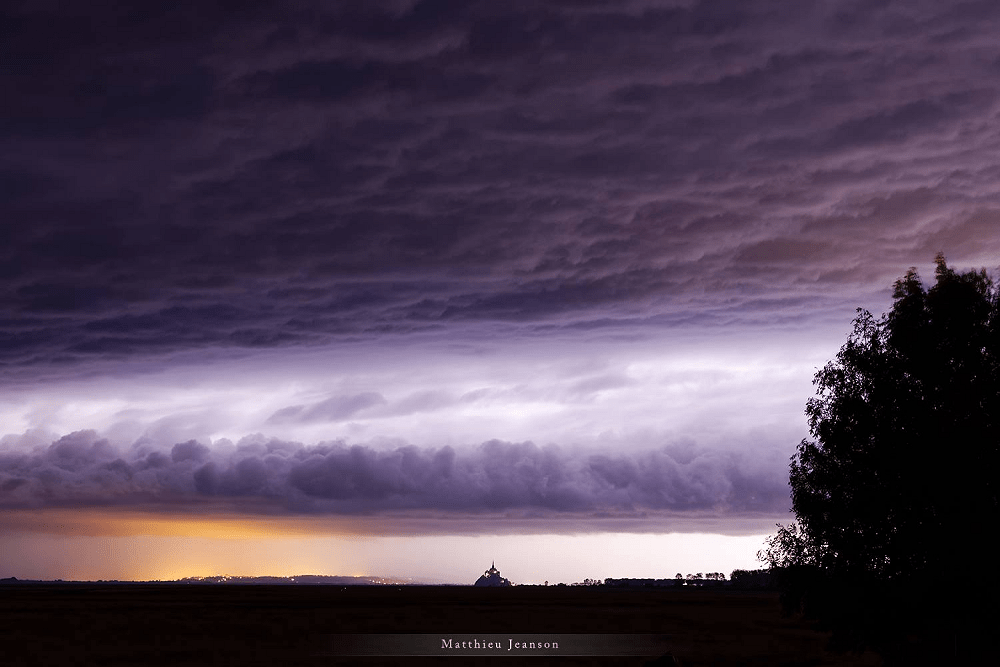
column 308, row 579
column 302, row 579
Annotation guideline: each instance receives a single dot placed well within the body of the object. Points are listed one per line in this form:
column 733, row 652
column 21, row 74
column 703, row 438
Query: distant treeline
column 738, row 580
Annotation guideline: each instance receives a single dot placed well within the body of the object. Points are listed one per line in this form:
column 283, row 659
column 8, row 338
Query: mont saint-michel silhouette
column 492, row 578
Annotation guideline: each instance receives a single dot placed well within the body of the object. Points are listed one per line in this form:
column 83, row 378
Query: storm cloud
column 204, row 178
column 81, row 469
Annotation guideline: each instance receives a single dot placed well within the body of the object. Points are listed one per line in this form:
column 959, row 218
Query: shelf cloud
column 81, row 469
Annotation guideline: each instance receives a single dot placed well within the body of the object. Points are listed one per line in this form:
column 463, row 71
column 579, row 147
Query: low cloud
column 332, row 409
column 81, row 469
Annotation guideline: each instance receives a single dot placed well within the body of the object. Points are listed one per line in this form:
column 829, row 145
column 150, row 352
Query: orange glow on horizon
column 57, row 546
column 124, row 523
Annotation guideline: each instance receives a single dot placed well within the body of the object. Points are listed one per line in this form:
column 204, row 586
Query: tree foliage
column 897, row 485
column 900, row 470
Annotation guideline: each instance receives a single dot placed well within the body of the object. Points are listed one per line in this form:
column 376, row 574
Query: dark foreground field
column 160, row 624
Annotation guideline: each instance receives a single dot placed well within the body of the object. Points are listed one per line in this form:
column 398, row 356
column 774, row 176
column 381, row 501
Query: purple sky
column 463, row 278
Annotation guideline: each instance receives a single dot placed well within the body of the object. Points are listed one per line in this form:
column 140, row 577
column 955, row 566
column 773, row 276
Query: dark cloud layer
column 206, row 175
column 83, row 470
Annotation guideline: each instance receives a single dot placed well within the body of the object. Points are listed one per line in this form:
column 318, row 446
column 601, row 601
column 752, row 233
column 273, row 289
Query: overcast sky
column 435, row 281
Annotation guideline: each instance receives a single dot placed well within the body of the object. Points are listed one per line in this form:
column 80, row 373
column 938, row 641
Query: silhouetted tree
column 899, row 477
column 751, row 579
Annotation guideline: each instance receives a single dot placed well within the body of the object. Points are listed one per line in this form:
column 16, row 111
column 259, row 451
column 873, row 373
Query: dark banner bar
column 485, row 644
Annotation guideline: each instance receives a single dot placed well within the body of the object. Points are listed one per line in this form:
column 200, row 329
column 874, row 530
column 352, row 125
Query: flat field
column 170, row 624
